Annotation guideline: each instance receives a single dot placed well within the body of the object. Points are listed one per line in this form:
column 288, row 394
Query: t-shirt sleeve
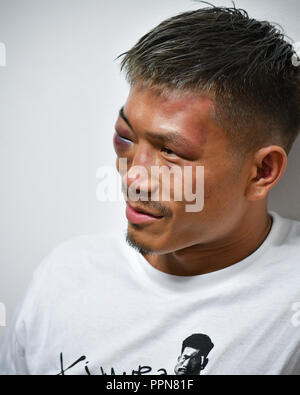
column 12, row 355
column 13, row 346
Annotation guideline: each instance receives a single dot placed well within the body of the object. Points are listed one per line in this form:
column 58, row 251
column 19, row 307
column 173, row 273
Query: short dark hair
column 200, row 342
column 244, row 63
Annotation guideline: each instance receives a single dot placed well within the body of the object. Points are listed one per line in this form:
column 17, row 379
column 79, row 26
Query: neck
column 205, row 258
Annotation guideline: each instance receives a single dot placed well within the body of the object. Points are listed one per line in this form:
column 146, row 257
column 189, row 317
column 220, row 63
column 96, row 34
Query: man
column 194, row 352
column 211, row 89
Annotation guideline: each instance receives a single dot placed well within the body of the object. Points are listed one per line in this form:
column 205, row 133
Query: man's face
column 189, row 362
column 199, row 142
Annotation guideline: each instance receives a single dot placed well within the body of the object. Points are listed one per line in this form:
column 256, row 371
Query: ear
column 267, row 167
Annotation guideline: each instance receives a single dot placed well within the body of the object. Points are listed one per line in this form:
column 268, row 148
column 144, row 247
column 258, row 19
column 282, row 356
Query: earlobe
column 269, row 164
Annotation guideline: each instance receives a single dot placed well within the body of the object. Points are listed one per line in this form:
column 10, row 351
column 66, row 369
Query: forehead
column 190, row 114
column 190, row 351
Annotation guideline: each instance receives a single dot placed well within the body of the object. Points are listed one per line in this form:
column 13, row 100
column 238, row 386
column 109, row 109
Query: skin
column 190, row 362
column 234, row 220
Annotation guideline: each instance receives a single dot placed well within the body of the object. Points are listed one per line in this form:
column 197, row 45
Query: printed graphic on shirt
column 191, row 361
column 194, row 352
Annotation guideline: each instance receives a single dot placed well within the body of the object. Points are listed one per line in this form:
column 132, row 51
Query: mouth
column 137, row 215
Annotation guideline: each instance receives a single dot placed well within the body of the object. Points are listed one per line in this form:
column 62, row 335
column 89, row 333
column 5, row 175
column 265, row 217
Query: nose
column 138, row 177
column 185, row 363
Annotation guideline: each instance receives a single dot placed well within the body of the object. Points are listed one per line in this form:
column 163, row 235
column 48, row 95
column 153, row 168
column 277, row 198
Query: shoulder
column 71, row 267
column 75, row 254
column 59, row 281
column 286, row 230
column 294, row 231
column 73, row 264
column 283, row 256
column 98, row 243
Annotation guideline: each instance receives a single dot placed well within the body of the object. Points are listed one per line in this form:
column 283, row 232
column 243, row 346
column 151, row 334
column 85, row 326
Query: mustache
column 144, row 198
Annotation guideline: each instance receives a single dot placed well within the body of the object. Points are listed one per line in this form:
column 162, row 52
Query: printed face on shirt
column 190, row 362
column 176, row 131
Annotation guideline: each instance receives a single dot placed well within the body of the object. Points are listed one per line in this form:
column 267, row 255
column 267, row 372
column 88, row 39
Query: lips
column 139, row 215
column 143, row 211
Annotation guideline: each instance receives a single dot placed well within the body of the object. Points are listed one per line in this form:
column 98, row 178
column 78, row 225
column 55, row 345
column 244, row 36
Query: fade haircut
column 244, row 64
column 200, row 342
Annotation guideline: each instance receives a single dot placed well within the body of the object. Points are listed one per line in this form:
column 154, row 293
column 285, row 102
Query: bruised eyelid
column 123, row 131
column 162, row 144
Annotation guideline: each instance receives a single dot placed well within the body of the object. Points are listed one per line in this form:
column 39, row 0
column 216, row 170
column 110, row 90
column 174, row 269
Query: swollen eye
column 120, row 139
column 124, row 139
column 168, row 151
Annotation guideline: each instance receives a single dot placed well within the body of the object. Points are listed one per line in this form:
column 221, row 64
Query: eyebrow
column 173, row 137
column 122, row 115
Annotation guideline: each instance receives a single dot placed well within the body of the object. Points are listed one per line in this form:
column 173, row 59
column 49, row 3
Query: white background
column 59, row 97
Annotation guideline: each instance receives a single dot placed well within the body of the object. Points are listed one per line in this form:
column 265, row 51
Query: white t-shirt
column 96, row 306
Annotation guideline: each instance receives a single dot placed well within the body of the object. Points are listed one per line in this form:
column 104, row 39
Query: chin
column 140, row 245
column 154, row 243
